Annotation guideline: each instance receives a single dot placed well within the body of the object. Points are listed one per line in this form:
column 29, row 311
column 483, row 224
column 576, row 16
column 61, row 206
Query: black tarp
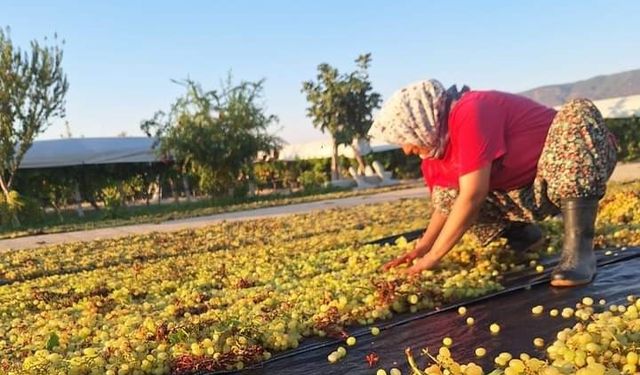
column 618, row 276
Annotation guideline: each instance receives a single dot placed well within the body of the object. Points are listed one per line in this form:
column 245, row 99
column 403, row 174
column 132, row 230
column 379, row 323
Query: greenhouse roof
column 83, row 151
column 89, row 151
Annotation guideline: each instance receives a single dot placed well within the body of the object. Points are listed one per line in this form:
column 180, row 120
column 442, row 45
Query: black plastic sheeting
column 409, row 236
column 618, row 276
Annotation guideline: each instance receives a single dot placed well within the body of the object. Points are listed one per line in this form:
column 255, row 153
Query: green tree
column 32, row 91
column 361, row 101
column 342, row 105
column 327, row 109
column 215, row 135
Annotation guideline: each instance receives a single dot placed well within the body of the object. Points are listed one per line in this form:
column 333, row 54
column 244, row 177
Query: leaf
column 178, row 336
column 53, row 341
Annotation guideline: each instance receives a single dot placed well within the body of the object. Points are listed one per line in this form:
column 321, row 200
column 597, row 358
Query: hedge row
column 627, row 132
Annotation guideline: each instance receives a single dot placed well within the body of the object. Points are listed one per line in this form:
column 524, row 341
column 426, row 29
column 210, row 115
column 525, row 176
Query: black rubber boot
column 577, row 264
column 523, row 237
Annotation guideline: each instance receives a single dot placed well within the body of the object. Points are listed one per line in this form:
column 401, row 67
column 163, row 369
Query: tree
column 326, row 97
column 342, row 105
column 215, row 135
column 361, row 101
column 32, row 91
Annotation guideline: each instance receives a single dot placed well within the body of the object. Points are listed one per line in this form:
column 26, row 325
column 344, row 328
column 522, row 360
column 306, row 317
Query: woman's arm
column 474, row 188
column 424, row 243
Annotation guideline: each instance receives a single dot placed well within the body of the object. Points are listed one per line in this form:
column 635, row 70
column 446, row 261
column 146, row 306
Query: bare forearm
column 474, row 188
column 424, row 243
column 463, row 214
column 432, row 232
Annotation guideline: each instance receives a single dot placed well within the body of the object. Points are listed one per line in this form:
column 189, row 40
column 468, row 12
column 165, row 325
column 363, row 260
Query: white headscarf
column 412, row 116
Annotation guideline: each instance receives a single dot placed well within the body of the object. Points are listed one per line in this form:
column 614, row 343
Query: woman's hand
column 405, row 258
column 474, row 188
column 425, row 263
column 424, row 243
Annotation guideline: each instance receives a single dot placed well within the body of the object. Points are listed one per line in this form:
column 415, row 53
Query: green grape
column 537, row 310
column 480, row 352
column 333, row 357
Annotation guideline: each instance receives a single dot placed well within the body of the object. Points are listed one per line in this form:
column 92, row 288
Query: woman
column 496, row 162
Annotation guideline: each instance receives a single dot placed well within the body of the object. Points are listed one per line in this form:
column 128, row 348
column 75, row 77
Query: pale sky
column 121, row 55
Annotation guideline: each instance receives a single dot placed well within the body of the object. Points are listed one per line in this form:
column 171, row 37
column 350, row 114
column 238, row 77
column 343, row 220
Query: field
column 234, row 294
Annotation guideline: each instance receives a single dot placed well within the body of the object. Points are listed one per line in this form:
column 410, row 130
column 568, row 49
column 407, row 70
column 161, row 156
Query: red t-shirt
column 494, row 127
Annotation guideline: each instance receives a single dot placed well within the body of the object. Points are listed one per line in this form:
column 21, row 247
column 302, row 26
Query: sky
column 120, row 56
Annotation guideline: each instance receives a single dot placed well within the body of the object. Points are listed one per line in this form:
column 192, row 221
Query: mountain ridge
column 599, row 87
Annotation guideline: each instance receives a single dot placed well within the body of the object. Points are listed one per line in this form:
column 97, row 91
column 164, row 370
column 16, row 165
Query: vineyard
column 235, row 295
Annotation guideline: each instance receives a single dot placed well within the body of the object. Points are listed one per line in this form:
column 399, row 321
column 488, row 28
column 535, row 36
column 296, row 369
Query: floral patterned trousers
column 577, row 160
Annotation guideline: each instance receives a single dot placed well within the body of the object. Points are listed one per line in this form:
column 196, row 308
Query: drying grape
column 537, row 310
column 333, row 357
column 480, row 352
column 567, row 312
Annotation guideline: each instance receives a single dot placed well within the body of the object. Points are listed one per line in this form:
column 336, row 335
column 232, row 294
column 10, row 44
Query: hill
column 599, row 87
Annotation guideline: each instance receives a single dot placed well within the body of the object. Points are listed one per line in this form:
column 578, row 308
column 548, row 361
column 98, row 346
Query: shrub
column 627, row 132
column 112, row 199
column 10, row 207
column 312, row 179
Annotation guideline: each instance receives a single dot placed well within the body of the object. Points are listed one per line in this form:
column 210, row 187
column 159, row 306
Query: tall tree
column 342, row 105
column 361, row 102
column 32, row 91
column 215, row 135
column 327, row 110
